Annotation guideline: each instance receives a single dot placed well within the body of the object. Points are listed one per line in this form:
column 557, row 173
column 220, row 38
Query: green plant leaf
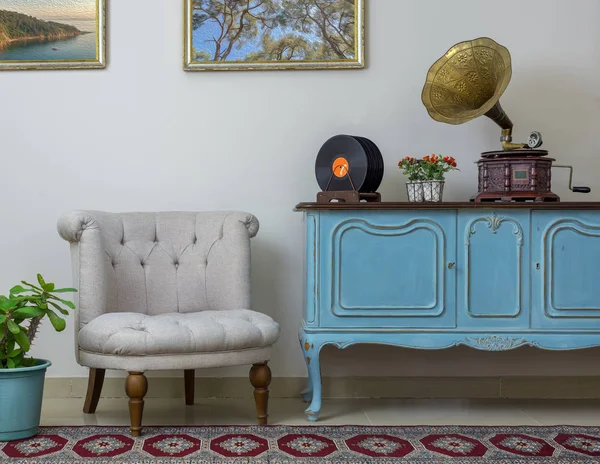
column 10, row 363
column 13, row 328
column 15, row 353
column 17, row 289
column 41, row 280
column 31, row 285
column 61, row 309
column 23, row 341
column 67, row 303
column 64, row 290
column 29, row 311
column 2, row 318
column 58, row 322
column 48, row 287
column 29, row 362
column 6, row 304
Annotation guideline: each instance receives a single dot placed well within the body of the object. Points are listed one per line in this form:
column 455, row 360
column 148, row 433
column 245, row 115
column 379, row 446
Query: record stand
column 349, row 169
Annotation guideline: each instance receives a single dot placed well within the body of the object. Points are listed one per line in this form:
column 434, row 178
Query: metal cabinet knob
column 451, row 265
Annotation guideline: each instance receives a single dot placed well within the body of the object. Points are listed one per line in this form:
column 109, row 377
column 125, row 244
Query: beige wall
column 144, row 135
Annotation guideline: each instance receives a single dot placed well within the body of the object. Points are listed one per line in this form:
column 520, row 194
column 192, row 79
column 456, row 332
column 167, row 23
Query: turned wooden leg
column 189, row 386
column 95, row 382
column 136, row 387
column 260, row 378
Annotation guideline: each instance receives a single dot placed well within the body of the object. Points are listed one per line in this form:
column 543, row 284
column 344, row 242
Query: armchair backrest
column 155, row 263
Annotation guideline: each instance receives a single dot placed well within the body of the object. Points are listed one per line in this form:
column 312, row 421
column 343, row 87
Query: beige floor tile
column 563, row 412
column 287, row 411
column 445, row 412
column 157, row 411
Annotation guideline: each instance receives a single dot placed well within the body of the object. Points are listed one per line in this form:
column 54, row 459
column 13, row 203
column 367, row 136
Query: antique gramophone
column 467, row 82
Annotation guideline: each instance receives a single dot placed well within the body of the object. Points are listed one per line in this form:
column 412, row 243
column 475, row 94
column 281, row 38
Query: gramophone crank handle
column 573, row 189
column 582, row 189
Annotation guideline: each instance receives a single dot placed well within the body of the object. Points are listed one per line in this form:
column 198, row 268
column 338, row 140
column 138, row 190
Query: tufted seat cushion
column 134, row 334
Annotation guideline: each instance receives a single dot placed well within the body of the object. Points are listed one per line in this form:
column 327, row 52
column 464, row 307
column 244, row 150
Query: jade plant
column 21, row 314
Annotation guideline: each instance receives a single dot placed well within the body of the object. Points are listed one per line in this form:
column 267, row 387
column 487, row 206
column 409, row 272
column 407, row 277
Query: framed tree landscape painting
column 52, row 34
column 273, row 34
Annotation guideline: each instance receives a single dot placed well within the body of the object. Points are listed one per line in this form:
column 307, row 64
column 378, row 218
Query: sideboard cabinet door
column 493, row 269
column 566, row 262
column 387, row 269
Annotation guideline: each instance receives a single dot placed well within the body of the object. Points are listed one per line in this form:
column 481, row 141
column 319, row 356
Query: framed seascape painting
column 273, row 34
column 52, row 34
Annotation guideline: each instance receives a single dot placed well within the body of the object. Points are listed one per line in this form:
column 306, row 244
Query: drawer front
column 493, row 269
column 566, row 261
column 387, row 269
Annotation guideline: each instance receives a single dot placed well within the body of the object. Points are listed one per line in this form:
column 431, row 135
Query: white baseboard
column 348, row 387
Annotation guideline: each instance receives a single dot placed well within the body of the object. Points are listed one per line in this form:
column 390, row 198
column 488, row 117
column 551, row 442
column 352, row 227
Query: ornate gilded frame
column 190, row 65
column 98, row 63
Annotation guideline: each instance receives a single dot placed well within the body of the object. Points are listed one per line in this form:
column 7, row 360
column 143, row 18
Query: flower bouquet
column 426, row 176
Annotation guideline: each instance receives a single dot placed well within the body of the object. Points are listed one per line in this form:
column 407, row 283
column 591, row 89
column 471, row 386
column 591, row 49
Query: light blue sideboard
column 431, row 276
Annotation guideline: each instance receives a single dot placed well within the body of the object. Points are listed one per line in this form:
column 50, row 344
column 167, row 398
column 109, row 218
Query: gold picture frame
column 67, row 53
column 354, row 56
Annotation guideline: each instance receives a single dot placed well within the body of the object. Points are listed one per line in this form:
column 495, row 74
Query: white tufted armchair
column 165, row 291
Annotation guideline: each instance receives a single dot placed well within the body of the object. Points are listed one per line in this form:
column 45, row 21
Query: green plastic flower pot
column 21, row 392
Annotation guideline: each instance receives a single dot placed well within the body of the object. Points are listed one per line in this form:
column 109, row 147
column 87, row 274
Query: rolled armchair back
column 155, row 263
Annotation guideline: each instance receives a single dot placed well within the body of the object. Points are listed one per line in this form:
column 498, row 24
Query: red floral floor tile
column 579, row 443
column 175, row 446
column 40, row 445
column 103, row 446
column 380, row 446
column 523, row 445
column 239, row 445
column 306, row 445
column 454, row 445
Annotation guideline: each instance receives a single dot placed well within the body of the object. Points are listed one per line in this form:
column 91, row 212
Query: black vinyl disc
column 370, row 180
column 340, row 159
column 378, row 164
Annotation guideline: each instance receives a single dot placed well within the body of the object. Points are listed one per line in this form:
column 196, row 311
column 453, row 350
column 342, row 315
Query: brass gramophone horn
column 467, row 82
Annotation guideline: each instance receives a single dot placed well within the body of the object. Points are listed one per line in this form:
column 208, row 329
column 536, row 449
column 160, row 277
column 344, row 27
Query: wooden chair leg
column 136, row 387
column 260, row 378
column 95, row 382
column 189, row 377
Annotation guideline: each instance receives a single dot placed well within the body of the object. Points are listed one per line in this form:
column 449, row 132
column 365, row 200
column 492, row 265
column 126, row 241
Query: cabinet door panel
column 388, row 269
column 566, row 284
column 493, row 275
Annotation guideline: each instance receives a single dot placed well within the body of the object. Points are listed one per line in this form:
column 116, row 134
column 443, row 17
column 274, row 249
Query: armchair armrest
column 84, row 230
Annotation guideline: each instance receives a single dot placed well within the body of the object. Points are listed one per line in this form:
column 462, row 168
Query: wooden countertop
column 447, row 205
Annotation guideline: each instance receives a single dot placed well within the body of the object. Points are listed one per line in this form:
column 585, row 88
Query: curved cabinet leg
column 307, row 393
column 313, row 394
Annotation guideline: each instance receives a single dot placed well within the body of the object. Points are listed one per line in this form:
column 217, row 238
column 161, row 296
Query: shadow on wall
column 377, row 360
column 566, row 109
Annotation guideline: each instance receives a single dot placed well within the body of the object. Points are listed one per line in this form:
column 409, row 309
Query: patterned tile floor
column 335, row 412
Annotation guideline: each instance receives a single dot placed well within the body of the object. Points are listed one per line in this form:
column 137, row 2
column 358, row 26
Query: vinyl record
column 370, row 180
column 342, row 164
column 378, row 169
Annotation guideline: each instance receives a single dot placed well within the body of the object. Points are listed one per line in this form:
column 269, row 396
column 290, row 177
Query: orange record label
column 340, row 167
